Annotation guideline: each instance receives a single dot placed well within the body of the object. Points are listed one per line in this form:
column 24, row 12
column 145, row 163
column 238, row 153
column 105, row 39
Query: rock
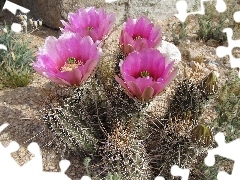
column 170, row 50
column 52, row 11
column 192, row 54
column 212, row 65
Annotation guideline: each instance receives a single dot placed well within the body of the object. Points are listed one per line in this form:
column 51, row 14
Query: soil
column 20, row 107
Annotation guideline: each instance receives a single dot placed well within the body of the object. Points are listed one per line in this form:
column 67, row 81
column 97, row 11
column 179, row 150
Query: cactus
column 125, row 154
column 227, row 107
column 185, row 108
column 100, row 120
column 68, row 121
column 170, row 139
column 187, row 104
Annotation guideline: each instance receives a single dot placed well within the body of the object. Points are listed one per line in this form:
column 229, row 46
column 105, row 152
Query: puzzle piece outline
column 228, row 150
column 32, row 169
column 182, row 8
column 221, row 51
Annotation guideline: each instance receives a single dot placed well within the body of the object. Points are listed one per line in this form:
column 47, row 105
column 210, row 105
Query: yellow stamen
column 90, row 28
column 144, row 74
column 71, row 64
column 137, row 37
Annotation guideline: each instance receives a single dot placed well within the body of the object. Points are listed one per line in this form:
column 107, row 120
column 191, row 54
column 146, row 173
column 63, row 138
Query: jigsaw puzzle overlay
column 9, row 169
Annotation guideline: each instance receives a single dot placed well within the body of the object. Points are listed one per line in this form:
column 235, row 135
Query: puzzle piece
column 12, row 7
column 110, row 1
column 236, row 16
column 159, row 178
column 176, row 171
column 85, row 178
column 222, row 51
column 9, row 169
column 228, row 150
column 182, row 9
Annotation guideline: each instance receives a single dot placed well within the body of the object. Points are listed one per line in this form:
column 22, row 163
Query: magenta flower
column 68, row 60
column 89, row 22
column 145, row 74
column 139, row 34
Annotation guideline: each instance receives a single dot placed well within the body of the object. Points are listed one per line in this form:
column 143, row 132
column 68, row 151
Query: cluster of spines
column 126, row 155
column 180, row 129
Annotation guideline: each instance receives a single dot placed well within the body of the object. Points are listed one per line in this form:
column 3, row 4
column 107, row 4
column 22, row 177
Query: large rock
column 52, row 11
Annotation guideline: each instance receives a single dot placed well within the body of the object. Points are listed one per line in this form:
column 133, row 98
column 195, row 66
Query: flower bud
column 202, row 135
column 209, row 84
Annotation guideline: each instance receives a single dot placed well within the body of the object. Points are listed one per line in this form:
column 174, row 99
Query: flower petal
column 171, row 76
column 73, row 77
column 89, row 21
column 147, row 93
column 157, row 73
column 89, row 68
column 143, row 82
column 140, row 34
column 134, row 89
column 51, row 59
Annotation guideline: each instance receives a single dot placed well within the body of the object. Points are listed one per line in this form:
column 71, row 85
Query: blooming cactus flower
column 139, row 34
column 68, row 60
column 89, row 22
column 145, row 74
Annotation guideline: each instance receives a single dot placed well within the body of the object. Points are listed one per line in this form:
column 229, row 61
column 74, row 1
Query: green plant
column 181, row 29
column 86, row 164
column 228, row 108
column 114, row 176
column 15, row 69
column 212, row 23
column 228, row 118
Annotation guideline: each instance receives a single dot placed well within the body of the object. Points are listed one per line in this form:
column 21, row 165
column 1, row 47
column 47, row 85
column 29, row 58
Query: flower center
column 71, row 60
column 71, row 64
column 144, row 74
column 136, row 38
column 90, row 28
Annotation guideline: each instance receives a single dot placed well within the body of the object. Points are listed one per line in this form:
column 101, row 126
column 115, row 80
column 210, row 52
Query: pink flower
column 89, row 22
column 68, row 60
column 139, row 34
column 145, row 74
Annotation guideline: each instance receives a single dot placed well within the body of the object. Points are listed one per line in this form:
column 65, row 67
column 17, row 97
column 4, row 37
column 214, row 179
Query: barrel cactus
column 103, row 114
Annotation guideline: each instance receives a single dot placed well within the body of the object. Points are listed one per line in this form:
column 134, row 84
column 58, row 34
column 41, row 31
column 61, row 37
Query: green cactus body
column 126, row 155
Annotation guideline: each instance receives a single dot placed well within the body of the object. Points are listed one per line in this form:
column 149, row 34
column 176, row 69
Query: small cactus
column 186, row 105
